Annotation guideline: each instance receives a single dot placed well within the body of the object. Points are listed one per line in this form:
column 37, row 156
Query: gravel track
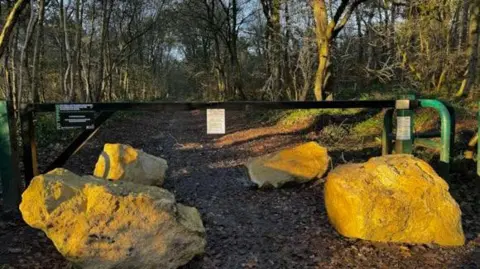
column 246, row 228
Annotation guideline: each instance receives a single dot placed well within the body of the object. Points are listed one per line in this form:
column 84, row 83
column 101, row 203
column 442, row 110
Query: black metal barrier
column 105, row 110
column 90, row 117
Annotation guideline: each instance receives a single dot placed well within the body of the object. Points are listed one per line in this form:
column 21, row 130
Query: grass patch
column 335, row 133
column 426, row 119
column 369, row 127
column 292, row 117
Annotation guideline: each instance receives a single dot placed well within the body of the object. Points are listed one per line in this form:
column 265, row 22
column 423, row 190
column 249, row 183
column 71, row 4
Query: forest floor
column 246, row 227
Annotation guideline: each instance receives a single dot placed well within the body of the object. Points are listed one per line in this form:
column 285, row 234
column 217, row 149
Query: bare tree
column 326, row 31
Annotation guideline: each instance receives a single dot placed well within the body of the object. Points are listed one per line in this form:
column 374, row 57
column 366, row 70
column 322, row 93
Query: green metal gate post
column 9, row 170
column 446, row 134
column 478, row 142
column 404, row 136
column 453, row 127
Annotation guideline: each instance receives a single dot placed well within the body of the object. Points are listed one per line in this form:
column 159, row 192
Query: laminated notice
column 404, row 128
column 215, row 121
column 73, row 116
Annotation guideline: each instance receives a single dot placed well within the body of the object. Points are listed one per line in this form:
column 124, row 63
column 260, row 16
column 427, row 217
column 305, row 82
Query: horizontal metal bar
column 186, row 106
column 434, row 134
column 427, row 143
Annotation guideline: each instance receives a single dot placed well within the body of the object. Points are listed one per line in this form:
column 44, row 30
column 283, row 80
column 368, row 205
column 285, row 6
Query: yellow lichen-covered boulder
column 99, row 224
column 299, row 164
column 122, row 162
column 395, row 198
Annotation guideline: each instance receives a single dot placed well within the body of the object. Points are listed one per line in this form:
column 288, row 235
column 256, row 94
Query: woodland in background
column 114, row 50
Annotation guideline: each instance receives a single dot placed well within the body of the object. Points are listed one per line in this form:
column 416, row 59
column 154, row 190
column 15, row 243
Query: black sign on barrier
column 75, row 116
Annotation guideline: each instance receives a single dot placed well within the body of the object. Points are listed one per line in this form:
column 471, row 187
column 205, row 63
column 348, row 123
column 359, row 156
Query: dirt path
column 248, row 228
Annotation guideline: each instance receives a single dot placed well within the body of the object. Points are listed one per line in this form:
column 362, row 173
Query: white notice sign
column 403, row 128
column 215, row 121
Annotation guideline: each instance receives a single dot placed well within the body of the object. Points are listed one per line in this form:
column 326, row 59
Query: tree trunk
column 287, row 67
column 13, row 55
column 323, row 33
column 236, row 68
column 100, row 82
column 472, row 50
column 8, row 76
column 78, row 50
column 391, row 31
column 454, row 29
column 68, row 74
column 464, row 23
column 36, row 51
column 326, row 32
column 322, row 75
column 23, row 54
column 10, row 23
column 360, row 36
column 86, row 70
column 370, row 38
column 271, row 10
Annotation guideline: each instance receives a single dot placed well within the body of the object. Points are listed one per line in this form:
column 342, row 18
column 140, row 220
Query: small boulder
column 97, row 224
column 122, row 162
column 395, row 198
column 299, row 164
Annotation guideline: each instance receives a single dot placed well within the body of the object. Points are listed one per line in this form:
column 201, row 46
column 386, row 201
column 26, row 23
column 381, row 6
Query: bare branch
column 340, row 10
column 10, row 23
column 348, row 13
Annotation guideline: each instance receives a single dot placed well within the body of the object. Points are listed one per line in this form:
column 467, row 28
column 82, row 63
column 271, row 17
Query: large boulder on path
column 122, row 162
column 395, row 198
column 299, row 165
column 97, row 224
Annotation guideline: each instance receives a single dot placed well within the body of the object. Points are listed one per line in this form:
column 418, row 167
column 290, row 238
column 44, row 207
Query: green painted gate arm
column 446, row 131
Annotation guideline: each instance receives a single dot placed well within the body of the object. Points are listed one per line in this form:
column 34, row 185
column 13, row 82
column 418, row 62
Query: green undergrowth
column 287, row 118
column 336, row 134
column 295, row 116
column 424, row 120
column 46, row 132
column 292, row 117
column 370, row 126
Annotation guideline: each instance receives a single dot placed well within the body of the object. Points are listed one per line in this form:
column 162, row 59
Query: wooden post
column 29, row 146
